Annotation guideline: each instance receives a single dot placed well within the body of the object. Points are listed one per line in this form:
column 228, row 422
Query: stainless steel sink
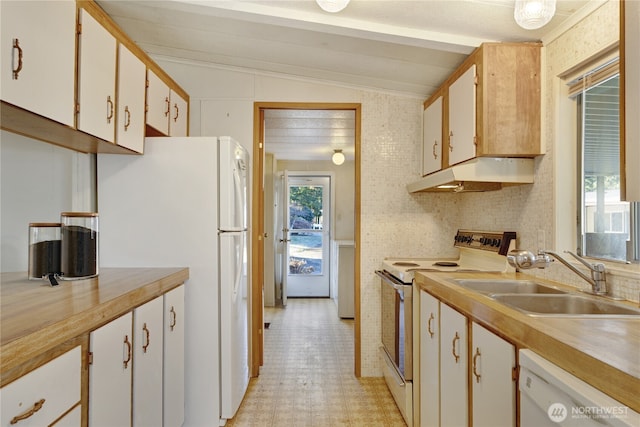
column 497, row 286
column 565, row 305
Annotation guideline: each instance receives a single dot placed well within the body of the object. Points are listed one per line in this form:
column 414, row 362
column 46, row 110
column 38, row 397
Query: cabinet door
column 174, row 315
column 179, row 115
column 158, row 103
column 110, row 374
column 38, row 40
column 453, row 368
column 96, row 79
column 44, row 394
column 462, row 117
column 148, row 346
column 493, row 385
column 429, row 360
column 432, row 137
column 131, row 103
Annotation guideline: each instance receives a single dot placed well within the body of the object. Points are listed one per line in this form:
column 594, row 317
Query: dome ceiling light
column 534, row 14
column 338, row 157
column 332, row 6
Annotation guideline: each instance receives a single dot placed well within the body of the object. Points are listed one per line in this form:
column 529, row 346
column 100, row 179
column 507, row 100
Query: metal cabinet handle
column 35, row 408
column 147, row 341
column 16, row 71
column 435, row 144
column 128, row 344
column 110, row 109
column 175, row 119
column 450, row 139
column 453, row 348
column 431, row 318
column 127, row 120
column 166, row 112
column 172, row 324
column 475, row 365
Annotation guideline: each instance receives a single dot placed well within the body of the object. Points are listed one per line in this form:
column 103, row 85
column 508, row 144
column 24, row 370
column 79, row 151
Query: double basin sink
column 537, row 299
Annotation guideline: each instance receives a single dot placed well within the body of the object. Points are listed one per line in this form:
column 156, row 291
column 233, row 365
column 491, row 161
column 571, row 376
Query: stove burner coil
column 405, row 264
column 445, row 264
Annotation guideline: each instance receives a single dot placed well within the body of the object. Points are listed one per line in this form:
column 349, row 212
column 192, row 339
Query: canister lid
column 45, row 224
column 79, row 214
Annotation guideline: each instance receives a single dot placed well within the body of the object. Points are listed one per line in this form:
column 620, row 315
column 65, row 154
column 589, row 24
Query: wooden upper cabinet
column 509, row 99
column 37, row 57
column 96, row 78
column 492, row 105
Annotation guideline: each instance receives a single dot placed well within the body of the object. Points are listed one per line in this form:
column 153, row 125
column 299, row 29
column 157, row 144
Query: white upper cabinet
column 432, row 137
column 96, row 79
column 178, row 115
column 462, row 117
column 158, row 103
column 167, row 111
column 131, row 100
column 37, row 57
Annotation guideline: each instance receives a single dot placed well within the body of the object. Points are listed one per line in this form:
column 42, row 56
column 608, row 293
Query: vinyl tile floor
column 307, row 378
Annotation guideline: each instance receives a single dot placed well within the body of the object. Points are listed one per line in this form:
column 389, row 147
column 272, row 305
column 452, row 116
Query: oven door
column 397, row 331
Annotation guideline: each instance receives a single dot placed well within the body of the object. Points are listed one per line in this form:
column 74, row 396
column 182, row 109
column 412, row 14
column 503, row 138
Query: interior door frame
column 258, row 226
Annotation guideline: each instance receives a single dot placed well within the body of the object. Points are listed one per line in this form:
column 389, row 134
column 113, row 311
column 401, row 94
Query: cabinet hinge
column 515, row 373
column 79, row 28
column 260, row 145
column 475, row 140
column 146, row 83
column 89, row 358
column 475, row 80
column 77, row 107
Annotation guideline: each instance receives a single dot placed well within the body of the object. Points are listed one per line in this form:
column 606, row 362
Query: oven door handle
column 392, row 281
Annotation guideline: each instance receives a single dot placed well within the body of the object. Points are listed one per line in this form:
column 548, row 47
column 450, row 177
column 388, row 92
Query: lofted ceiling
column 404, row 47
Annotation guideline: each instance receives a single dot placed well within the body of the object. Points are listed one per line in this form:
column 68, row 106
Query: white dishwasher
column 551, row 396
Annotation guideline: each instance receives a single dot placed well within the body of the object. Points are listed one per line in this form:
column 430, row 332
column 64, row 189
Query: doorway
column 263, row 234
column 306, row 218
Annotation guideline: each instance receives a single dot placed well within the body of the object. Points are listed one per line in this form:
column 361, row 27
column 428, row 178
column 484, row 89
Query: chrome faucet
column 526, row 259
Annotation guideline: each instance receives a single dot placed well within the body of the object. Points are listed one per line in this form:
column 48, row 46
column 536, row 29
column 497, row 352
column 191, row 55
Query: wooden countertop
column 36, row 317
column 604, row 352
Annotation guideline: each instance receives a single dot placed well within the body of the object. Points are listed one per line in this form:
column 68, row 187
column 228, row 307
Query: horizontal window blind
column 594, row 77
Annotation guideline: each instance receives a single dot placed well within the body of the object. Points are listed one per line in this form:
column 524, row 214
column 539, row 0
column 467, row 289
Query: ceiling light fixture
column 533, row 14
column 332, row 6
column 337, row 158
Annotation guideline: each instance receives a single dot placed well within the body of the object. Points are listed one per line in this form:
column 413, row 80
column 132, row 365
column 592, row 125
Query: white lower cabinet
column 110, row 373
column 173, row 374
column 453, row 368
column 43, row 395
column 429, row 360
column 148, row 350
column 136, row 377
column 493, row 361
column 450, row 369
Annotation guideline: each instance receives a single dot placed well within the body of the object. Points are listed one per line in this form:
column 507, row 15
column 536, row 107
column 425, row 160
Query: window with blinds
column 604, row 221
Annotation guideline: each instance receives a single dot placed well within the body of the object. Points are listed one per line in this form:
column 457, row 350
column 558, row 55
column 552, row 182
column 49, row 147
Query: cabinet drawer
column 47, row 392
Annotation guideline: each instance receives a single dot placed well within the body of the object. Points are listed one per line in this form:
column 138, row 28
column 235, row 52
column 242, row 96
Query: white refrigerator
column 184, row 203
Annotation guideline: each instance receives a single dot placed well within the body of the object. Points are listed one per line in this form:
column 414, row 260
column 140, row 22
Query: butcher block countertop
column 604, row 352
column 36, row 317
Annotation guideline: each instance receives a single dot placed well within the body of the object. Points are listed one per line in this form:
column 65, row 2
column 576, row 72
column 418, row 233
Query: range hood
column 478, row 174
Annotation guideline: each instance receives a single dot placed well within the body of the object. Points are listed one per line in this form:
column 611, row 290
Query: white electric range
column 478, row 251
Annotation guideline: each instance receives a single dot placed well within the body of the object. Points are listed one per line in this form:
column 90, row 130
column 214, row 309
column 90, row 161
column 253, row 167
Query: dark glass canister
column 79, row 259
column 44, row 249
